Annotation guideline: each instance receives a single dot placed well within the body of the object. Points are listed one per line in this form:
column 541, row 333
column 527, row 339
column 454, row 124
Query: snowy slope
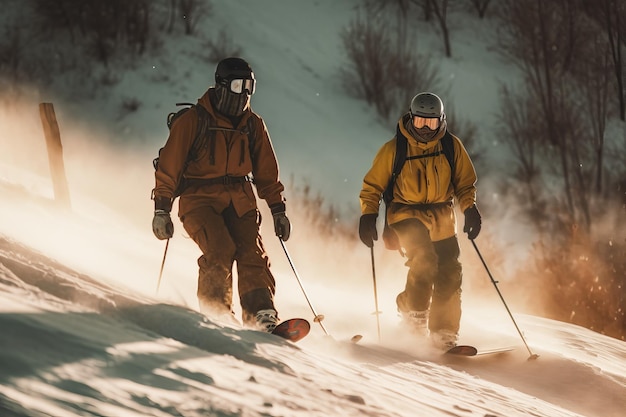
column 75, row 346
column 86, row 334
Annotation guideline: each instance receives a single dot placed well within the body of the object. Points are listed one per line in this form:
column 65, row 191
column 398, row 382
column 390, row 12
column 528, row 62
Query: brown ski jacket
column 220, row 173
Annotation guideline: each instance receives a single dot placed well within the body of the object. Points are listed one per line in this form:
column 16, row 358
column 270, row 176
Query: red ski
column 293, row 329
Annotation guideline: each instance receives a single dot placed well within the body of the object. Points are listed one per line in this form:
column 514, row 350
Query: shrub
column 382, row 70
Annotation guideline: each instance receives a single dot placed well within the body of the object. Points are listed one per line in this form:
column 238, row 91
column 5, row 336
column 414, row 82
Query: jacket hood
column 205, row 101
column 412, row 136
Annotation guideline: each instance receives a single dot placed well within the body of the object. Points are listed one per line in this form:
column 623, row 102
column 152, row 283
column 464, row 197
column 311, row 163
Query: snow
column 85, row 332
column 75, row 346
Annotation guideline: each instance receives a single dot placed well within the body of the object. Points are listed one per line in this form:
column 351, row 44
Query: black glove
column 367, row 229
column 472, row 222
column 162, row 225
column 282, row 226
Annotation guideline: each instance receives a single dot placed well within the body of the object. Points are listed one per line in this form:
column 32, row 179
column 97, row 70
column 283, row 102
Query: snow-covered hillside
column 75, row 346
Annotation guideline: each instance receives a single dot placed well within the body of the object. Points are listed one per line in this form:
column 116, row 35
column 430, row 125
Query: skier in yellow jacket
column 421, row 218
column 217, row 207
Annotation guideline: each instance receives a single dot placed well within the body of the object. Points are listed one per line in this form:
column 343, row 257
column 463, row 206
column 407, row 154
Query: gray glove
column 282, row 226
column 162, row 225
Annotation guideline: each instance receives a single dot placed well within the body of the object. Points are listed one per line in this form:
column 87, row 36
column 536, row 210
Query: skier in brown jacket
column 422, row 218
column 217, row 206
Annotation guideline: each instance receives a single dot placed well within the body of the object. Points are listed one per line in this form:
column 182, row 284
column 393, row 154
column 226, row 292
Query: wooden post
column 55, row 154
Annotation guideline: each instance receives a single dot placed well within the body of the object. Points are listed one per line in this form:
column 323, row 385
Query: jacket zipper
column 436, row 179
column 419, row 180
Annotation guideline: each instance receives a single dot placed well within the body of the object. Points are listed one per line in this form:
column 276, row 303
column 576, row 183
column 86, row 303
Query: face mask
column 229, row 103
column 426, row 133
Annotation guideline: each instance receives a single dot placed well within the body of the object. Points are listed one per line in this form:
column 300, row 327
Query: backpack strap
column 201, row 131
column 399, row 159
column 447, row 145
column 398, row 162
column 251, row 132
column 203, row 134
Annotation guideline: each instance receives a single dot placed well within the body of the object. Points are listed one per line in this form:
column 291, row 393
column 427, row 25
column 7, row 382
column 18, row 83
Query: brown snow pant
column 434, row 278
column 224, row 238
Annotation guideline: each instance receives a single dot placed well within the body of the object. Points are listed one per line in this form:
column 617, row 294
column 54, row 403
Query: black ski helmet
column 232, row 68
column 427, row 105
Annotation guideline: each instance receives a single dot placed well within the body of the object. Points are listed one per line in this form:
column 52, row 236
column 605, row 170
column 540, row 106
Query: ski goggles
column 239, row 85
column 431, row 122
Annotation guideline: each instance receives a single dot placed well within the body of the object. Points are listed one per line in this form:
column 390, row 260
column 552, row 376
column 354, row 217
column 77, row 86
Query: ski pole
column 318, row 317
column 162, row 265
column 377, row 312
column 495, row 284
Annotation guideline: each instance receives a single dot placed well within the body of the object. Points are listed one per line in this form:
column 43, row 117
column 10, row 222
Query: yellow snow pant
column 435, row 274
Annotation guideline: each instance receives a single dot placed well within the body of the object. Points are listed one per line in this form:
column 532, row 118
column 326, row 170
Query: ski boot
column 416, row 321
column 266, row 320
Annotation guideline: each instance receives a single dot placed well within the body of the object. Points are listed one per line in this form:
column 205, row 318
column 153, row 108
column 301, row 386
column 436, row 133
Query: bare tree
column 377, row 6
column 192, row 11
column 556, row 129
column 440, row 10
column 17, row 62
column 426, row 7
column 102, row 26
column 366, row 46
column 531, row 30
column 171, row 15
column 430, row 8
column 383, row 70
column 611, row 16
column 404, row 6
column 592, row 73
column 11, row 58
column 518, row 127
column 480, row 6
column 137, row 25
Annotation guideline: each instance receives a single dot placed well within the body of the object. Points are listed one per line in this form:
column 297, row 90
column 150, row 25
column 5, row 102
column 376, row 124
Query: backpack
column 199, row 140
column 447, row 145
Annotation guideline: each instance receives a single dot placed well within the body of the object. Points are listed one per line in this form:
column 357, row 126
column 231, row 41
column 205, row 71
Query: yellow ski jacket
column 424, row 185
